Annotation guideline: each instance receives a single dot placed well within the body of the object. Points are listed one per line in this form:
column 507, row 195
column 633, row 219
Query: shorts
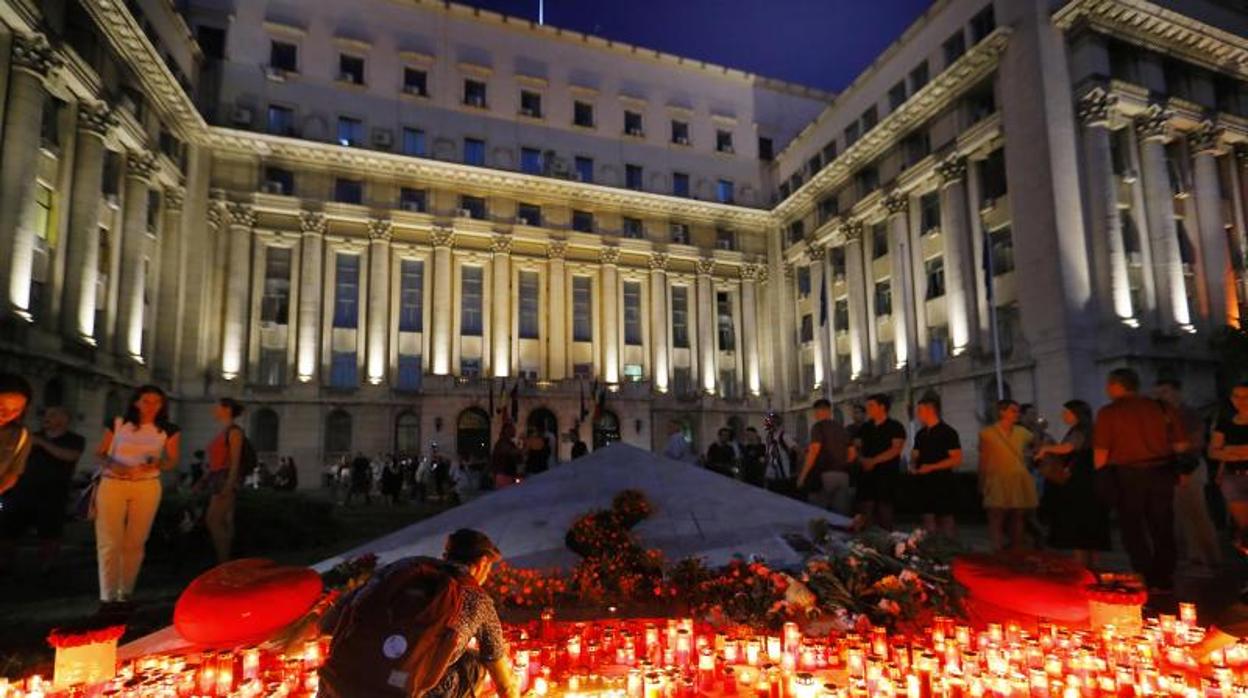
column 935, row 493
column 20, row 515
column 1235, row 486
column 879, row 484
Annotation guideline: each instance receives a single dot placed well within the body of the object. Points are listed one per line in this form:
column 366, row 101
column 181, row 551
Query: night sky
column 821, row 43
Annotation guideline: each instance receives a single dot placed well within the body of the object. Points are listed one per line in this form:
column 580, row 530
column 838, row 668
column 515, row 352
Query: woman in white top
column 140, row 445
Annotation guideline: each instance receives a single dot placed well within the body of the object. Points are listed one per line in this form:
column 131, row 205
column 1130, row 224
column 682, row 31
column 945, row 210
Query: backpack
column 394, row 635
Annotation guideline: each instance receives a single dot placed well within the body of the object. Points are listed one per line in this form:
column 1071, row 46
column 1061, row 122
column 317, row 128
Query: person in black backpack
column 406, row 632
column 230, row 458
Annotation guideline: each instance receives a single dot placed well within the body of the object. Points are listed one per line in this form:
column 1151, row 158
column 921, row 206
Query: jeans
column 125, row 510
column 1146, row 519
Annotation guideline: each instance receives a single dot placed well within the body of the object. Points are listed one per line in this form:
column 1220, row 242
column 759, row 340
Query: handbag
column 85, row 506
column 1055, row 469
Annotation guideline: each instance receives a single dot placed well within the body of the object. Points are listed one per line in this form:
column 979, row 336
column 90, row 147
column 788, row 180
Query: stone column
column 1114, row 287
column 855, row 279
column 750, row 276
column 169, row 301
column 1153, row 129
column 904, row 329
column 1205, row 145
column 918, row 284
column 380, row 231
column 241, row 220
column 443, row 240
column 817, row 254
column 659, row 351
column 500, row 313
column 139, row 169
column 82, row 259
column 311, row 280
column 610, row 292
column 32, row 60
column 707, row 348
column 959, row 271
column 556, row 317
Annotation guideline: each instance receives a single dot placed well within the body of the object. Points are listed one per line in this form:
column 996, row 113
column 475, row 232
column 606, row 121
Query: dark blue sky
column 822, row 43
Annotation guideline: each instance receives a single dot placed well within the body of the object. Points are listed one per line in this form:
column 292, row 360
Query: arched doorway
column 265, row 427
column 407, row 433
column 606, row 429
column 337, row 434
column 543, row 420
column 472, row 435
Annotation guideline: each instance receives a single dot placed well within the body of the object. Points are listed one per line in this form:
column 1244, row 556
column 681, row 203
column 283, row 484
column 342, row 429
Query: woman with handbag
column 140, row 445
column 1078, row 520
column 1009, row 491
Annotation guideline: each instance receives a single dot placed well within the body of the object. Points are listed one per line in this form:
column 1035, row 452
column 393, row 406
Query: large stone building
column 378, row 227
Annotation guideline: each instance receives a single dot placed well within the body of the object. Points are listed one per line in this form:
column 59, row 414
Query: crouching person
column 406, row 633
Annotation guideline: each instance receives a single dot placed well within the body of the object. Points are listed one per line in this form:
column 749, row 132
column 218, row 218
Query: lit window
column 529, row 288
column 680, row 317
column 723, row 311
column 346, row 291
column 582, row 309
column 275, row 303
column 470, row 302
column 632, row 313
column 411, row 295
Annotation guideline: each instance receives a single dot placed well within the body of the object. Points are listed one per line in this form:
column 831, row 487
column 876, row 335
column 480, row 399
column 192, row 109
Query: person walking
column 505, row 458
column 1141, row 438
column 225, row 459
column 1078, row 519
column 754, row 458
column 361, row 479
column 1006, row 485
column 134, row 451
column 824, row 477
column 880, row 442
column 937, row 452
column 1228, row 447
column 39, row 498
column 15, row 442
column 1196, row 534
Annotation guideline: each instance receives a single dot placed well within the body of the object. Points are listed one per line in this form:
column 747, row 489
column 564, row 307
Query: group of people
column 512, row 458
column 396, row 477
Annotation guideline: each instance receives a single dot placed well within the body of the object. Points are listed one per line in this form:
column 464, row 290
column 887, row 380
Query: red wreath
column 62, row 638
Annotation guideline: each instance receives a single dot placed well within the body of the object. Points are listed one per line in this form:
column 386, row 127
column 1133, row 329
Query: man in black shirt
column 38, row 500
column 880, row 441
column 721, row 456
column 937, row 451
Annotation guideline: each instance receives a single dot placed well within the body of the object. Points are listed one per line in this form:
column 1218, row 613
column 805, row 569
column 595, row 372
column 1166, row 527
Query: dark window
column 1002, row 251
column 632, row 313
column 469, row 368
column 868, row 180
column 883, row 298
column 795, row 181
column 992, row 182
column 348, row 191
column 529, row 287
column 474, row 93
column 814, row 164
column 919, row 77
column 409, row 373
column 680, row 233
column 350, row 131
column 284, row 56
column 840, row 315
column 582, row 309
column 680, row 184
column 584, row 169
column 346, row 291
column 783, row 191
column 633, row 177
column 724, row 192
column 829, row 208
column 531, row 161
column 529, row 214
column 474, row 152
column 879, row 240
column 583, row 114
column 935, row 270
column 723, row 141
column 275, row 304
column 829, row 152
column 471, row 301
column 897, row 96
column 1123, row 61
column 411, row 295
column 413, row 142
column 632, row 123
column 982, row 24
column 797, row 231
column 807, row 332
column 474, row 206
column 633, row 228
column 415, row 82
column 929, row 213
column 680, row 132
column 765, row 149
column 725, row 239
column 281, row 120
column 1178, row 76
column 531, row 104
column 851, row 134
column 351, row 69
column 279, row 181
column 343, row 370
column 680, row 317
column 980, row 103
column 415, row 200
column 583, row 221
column 211, row 40
column 954, row 47
column 870, row 118
column 724, row 324
column 837, row 255
column 915, row 147
column 803, row 281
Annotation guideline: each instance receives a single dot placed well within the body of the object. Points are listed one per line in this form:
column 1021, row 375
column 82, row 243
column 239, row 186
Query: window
column 350, row 131
column 474, row 206
column 728, row 388
column 272, row 368
column 935, row 270
column 474, row 152
column 829, row 152
column 470, row 301
column 851, row 134
column 1178, row 77
column 680, row 233
column 837, row 262
column 937, row 344
column 632, row 372
column 1002, row 251
column 723, row 311
column 840, row 315
column 915, row 147
column 680, row 132
column 346, row 291
column 583, row 221
column 919, row 77
column 583, row 114
column 680, row 184
column 343, row 370
column 633, row 176
column 633, row 228
column 814, row 164
column 783, row 191
column 474, row 93
column 284, row 56
column 724, row 192
column 415, row 82
column 883, row 298
column 348, row 191
column 829, row 208
column 584, row 169
column 725, row 239
column 531, row 161
column 632, row 123
column 954, row 47
column 797, row 231
column 795, row 181
column 582, row 309
column 529, row 214
column 806, row 333
column 982, row 24
column 765, row 149
column 469, row 367
column 929, row 213
column 632, row 313
column 897, row 96
column 411, row 295
column 531, row 104
column 803, row 281
column 275, row 304
column 279, row 181
column 980, row 103
column 868, row 180
column 879, row 241
column 723, row 141
column 410, row 371
column 281, row 120
column 680, row 317
column 414, row 200
column 351, row 69
column 413, row 142
column 582, row 371
column 529, row 289
column 870, row 118
column 992, row 182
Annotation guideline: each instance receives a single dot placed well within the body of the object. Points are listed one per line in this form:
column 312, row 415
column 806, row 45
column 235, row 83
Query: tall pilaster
column 83, row 247
column 750, row 276
column 169, row 315
column 443, row 239
column 904, row 330
column 139, row 169
column 380, row 231
column 817, row 254
column 311, row 270
column 556, row 318
column 32, row 60
column 241, row 219
column 1153, row 130
column 707, row 346
column 855, row 279
column 1206, row 146
column 610, row 292
column 1110, row 255
column 959, row 272
column 660, row 366
column 500, row 313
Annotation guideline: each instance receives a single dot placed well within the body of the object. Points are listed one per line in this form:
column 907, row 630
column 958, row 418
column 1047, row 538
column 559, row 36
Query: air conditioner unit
column 475, row 101
column 682, row 140
column 347, row 77
column 413, row 206
column 524, row 220
column 532, row 113
column 465, row 213
column 274, row 73
column 414, row 90
column 273, row 187
column 383, row 137
column 636, row 132
column 727, row 149
column 242, row 116
column 1130, row 176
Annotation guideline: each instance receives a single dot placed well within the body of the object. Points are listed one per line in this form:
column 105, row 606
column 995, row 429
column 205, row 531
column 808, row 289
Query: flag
column 515, row 402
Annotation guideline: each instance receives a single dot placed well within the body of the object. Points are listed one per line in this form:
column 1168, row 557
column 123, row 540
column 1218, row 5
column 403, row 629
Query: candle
column 683, row 647
column 634, row 687
column 773, row 649
column 251, row 664
column 752, row 652
column 804, row 685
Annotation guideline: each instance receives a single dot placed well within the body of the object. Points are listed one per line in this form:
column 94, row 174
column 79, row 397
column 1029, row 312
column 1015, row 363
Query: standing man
column 1141, row 439
column 361, row 474
column 721, row 456
column 38, row 501
column 937, row 451
column 1195, row 527
column 880, row 442
column 825, row 474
